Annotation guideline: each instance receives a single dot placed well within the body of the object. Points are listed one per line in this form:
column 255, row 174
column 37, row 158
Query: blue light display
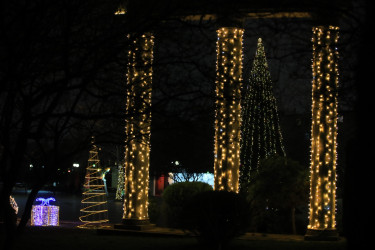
column 45, row 214
column 45, row 202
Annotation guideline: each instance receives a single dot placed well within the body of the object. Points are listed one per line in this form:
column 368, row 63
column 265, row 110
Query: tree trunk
column 10, row 218
column 294, row 231
column 27, row 211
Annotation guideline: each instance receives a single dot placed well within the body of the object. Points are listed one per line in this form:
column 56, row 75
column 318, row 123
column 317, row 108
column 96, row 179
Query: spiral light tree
column 322, row 217
column 94, row 211
column 228, row 108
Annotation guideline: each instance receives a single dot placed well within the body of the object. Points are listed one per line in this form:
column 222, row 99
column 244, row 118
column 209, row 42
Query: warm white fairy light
column 228, row 108
column 324, row 129
column 138, row 128
column 94, row 211
column 14, row 205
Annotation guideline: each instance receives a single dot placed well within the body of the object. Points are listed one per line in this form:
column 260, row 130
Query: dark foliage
column 278, row 193
column 216, row 217
column 175, row 198
column 154, row 211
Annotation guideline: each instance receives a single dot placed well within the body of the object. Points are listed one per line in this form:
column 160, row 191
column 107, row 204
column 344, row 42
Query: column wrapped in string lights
column 322, row 221
column 228, row 108
column 138, row 129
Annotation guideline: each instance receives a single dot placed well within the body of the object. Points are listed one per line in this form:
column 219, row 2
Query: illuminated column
column 228, row 108
column 138, row 130
column 322, row 221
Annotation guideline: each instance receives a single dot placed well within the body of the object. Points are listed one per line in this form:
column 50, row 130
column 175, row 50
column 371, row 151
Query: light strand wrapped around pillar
column 322, row 217
column 228, row 108
column 138, row 129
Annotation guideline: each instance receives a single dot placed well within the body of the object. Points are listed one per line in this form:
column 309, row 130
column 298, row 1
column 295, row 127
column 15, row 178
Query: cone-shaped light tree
column 94, row 211
column 120, row 183
column 261, row 134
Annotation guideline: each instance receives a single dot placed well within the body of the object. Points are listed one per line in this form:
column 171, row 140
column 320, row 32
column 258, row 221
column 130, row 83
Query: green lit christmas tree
column 260, row 132
column 120, row 183
column 94, row 211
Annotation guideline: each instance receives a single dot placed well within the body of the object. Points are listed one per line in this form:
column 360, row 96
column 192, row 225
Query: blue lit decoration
column 45, row 202
column 45, row 214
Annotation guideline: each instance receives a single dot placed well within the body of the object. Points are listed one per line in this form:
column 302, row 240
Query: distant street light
column 76, row 165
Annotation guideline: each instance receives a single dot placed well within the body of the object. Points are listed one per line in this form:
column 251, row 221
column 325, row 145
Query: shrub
column 176, row 196
column 154, row 209
column 216, row 217
column 277, row 192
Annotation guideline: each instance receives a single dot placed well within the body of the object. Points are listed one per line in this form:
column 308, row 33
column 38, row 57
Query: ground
column 68, row 237
column 71, row 238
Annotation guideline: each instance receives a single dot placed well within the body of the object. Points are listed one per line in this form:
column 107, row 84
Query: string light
column 324, row 129
column 228, row 108
column 120, row 11
column 94, row 210
column 45, row 214
column 138, row 128
column 120, row 183
column 261, row 134
column 14, row 205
